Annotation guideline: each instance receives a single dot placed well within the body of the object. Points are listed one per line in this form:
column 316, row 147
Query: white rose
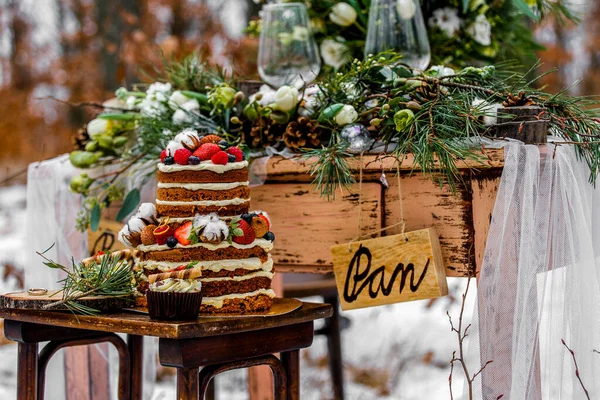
column 178, row 98
column 343, row 14
column 346, row 115
column 310, row 101
column 334, row 54
column 147, row 211
column 182, row 115
column 286, row 98
column 267, row 96
column 96, row 127
column 481, row 30
column 406, row 8
column 442, row 71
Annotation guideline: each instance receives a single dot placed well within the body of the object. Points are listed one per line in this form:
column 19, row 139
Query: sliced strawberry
column 247, row 236
column 182, row 234
column 266, row 220
column 180, row 268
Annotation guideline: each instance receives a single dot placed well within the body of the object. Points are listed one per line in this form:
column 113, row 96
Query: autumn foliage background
column 55, row 52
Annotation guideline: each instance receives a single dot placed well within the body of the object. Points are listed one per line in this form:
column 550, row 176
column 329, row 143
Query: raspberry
column 206, row 151
column 220, row 158
column 239, row 156
column 163, row 154
column 181, row 156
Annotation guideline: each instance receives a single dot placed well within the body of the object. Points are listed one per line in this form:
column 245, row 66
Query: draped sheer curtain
column 539, row 282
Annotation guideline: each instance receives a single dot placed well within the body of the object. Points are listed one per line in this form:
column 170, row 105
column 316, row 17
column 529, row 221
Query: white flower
column 173, row 146
column 490, row 111
column 346, row 115
column 442, row 71
column 200, row 221
column 131, row 102
column 122, row 236
column 406, row 8
column 159, row 91
column 96, row 127
column 267, row 96
column 215, row 231
column 147, row 211
column 351, row 89
column 300, row 33
column 310, row 101
column 187, row 137
column 135, row 224
column 481, row 30
column 157, row 96
column 286, row 98
column 371, row 103
column 182, row 115
column 334, row 54
column 343, row 14
column 178, row 98
column 447, row 20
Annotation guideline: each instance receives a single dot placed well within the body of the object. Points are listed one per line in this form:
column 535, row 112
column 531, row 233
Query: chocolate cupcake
column 175, row 295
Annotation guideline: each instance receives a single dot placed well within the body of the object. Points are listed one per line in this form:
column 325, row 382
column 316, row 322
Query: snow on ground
column 398, row 352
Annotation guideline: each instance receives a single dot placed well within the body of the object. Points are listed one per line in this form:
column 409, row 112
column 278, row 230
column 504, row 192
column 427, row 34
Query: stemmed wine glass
column 398, row 25
column 288, row 53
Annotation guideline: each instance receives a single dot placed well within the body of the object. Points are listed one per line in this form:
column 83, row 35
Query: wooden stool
column 306, row 285
column 216, row 343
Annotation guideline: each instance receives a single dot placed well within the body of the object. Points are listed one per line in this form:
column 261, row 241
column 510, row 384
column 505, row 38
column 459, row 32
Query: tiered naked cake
column 201, row 230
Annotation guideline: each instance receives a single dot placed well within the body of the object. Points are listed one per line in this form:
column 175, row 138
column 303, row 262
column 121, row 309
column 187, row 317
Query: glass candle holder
column 398, row 25
column 288, row 53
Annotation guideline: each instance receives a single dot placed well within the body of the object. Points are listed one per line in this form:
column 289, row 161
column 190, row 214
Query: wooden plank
column 24, row 300
column 77, row 373
column 389, row 270
column 484, row 191
column 305, row 225
column 105, row 238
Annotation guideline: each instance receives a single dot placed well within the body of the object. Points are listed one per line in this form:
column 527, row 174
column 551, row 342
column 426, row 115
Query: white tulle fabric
column 539, row 283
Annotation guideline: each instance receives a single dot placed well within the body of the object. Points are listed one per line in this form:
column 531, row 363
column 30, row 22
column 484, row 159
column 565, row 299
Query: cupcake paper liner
column 174, row 305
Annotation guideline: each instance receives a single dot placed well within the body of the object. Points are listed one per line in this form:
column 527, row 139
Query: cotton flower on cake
column 131, row 233
column 210, row 228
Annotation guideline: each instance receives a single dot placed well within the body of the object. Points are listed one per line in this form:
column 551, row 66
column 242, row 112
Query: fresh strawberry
column 247, row 235
column 180, row 268
column 210, row 139
column 181, row 156
column 182, row 234
column 239, row 156
column 206, row 151
column 163, row 154
column 220, row 158
column 99, row 253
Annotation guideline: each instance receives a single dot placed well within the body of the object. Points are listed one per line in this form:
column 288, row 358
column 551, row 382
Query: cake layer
column 184, row 255
column 187, row 195
column 181, row 210
column 225, row 286
column 259, row 300
column 213, row 267
column 191, row 176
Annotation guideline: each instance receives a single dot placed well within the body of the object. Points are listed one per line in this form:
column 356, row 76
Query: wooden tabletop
column 141, row 324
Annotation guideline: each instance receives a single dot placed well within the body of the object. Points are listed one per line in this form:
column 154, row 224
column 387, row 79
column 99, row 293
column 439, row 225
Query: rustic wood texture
column 484, row 197
column 24, row 300
column 27, row 365
column 139, row 324
column 291, row 362
column 135, row 344
column 387, row 277
column 187, row 383
column 105, row 238
column 292, row 202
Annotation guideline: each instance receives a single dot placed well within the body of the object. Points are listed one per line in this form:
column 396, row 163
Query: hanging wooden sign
column 389, row 269
column 105, row 237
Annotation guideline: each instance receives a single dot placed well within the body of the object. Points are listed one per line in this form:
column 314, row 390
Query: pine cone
column 302, row 133
column 519, row 100
column 264, row 132
column 80, row 138
column 426, row 92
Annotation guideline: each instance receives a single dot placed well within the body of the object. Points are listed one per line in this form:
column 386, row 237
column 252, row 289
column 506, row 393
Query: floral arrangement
column 375, row 104
column 461, row 32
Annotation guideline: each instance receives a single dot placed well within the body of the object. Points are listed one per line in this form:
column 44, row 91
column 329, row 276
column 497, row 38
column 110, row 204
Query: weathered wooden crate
column 306, row 225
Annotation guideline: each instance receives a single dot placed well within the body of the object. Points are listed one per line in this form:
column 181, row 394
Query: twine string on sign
column 400, row 200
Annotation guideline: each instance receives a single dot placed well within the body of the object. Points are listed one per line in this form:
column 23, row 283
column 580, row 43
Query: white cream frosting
column 265, row 244
column 236, row 201
column 203, row 166
column 177, row 285
column 251, row 264
column 202, row 186
column 185, row 219
column 258, row 274
column 217, row 302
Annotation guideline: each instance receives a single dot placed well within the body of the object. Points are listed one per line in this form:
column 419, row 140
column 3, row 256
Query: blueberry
column 230, row 158
column 248, row 217
column 193, row 160
column 269, row 236
column 223, row 144
column 172, row 241
column 169, row 160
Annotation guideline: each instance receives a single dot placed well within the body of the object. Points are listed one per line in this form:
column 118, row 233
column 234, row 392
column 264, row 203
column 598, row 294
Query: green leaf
column 238, row 232
column 201, row 97
column 95, row 218
column 191, row 264
column 118, row 116
column 130, row 203
column 525, row 9
column 465, row 4
column 330, row 112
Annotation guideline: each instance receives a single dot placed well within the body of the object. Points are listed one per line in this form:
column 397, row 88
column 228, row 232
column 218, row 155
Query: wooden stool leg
column 334, row 347
column 210, row 390
column 187, row 383
column 291, row 362
column 136, row 357
column 27, row 367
